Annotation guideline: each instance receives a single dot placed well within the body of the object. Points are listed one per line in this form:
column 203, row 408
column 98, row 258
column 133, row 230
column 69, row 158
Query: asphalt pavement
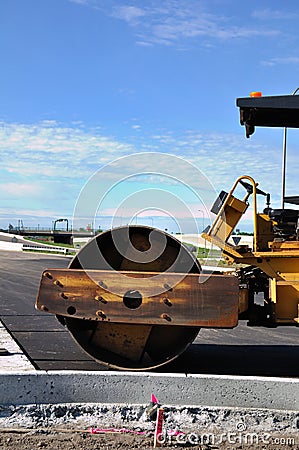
column 241, row 351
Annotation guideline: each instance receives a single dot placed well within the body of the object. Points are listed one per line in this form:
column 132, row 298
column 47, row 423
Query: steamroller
column 134, row 297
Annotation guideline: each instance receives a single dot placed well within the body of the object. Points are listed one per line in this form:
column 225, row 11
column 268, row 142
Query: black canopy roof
column 293, row 199
column 274, row 111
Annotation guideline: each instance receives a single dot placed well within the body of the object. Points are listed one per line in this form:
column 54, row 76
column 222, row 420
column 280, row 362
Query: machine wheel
column 132, row 346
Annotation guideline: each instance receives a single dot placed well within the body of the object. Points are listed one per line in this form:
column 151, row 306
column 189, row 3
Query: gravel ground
column 50, row 440
column 55, row 427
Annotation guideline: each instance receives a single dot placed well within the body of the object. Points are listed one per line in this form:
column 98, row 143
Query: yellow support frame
column 279, row 261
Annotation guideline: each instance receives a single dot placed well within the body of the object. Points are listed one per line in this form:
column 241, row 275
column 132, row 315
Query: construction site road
column 240, row 351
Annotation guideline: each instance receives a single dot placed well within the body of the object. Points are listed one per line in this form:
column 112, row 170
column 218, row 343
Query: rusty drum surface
column 133, row 298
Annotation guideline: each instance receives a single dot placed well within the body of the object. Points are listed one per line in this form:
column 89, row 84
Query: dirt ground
column 84, row 440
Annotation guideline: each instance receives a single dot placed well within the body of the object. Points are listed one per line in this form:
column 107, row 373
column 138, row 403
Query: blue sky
column 84, row 82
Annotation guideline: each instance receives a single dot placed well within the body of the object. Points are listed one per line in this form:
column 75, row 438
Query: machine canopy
column 270, row 111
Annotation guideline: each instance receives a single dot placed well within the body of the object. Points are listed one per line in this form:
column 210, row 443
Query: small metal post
column 203, row 227
column 283, row 174
column 284, row 160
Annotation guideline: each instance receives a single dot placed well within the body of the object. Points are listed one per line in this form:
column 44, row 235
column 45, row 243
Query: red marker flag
column 154, row 399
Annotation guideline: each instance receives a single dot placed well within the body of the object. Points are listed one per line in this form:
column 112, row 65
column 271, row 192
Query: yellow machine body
column 277, row 259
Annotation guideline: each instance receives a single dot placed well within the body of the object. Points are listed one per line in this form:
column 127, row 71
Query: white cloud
column 63, row 152
column 48, row 149
column 43, row 166
column 189, row 20
column 17, row 189
column 43, row 215
column 274, row 14
column 80, row 2
column 174, row 22
column 129, row 13
column 281, row 60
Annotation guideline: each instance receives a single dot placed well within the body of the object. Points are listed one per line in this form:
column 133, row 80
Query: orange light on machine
column 255, row 94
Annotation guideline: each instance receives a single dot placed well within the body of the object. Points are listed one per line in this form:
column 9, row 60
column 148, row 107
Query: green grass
column 47, row 252
column 50, row 244
column 212, row 257
column 207, row 253
column 46, row 242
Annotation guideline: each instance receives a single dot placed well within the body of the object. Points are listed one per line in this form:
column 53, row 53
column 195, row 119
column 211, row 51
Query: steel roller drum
column 128, row 345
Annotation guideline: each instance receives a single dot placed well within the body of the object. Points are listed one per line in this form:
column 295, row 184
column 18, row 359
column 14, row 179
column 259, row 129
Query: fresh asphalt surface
column 241, row 351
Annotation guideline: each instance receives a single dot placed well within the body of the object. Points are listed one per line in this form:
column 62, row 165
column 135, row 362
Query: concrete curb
column 10, row 246
column 56, row 387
